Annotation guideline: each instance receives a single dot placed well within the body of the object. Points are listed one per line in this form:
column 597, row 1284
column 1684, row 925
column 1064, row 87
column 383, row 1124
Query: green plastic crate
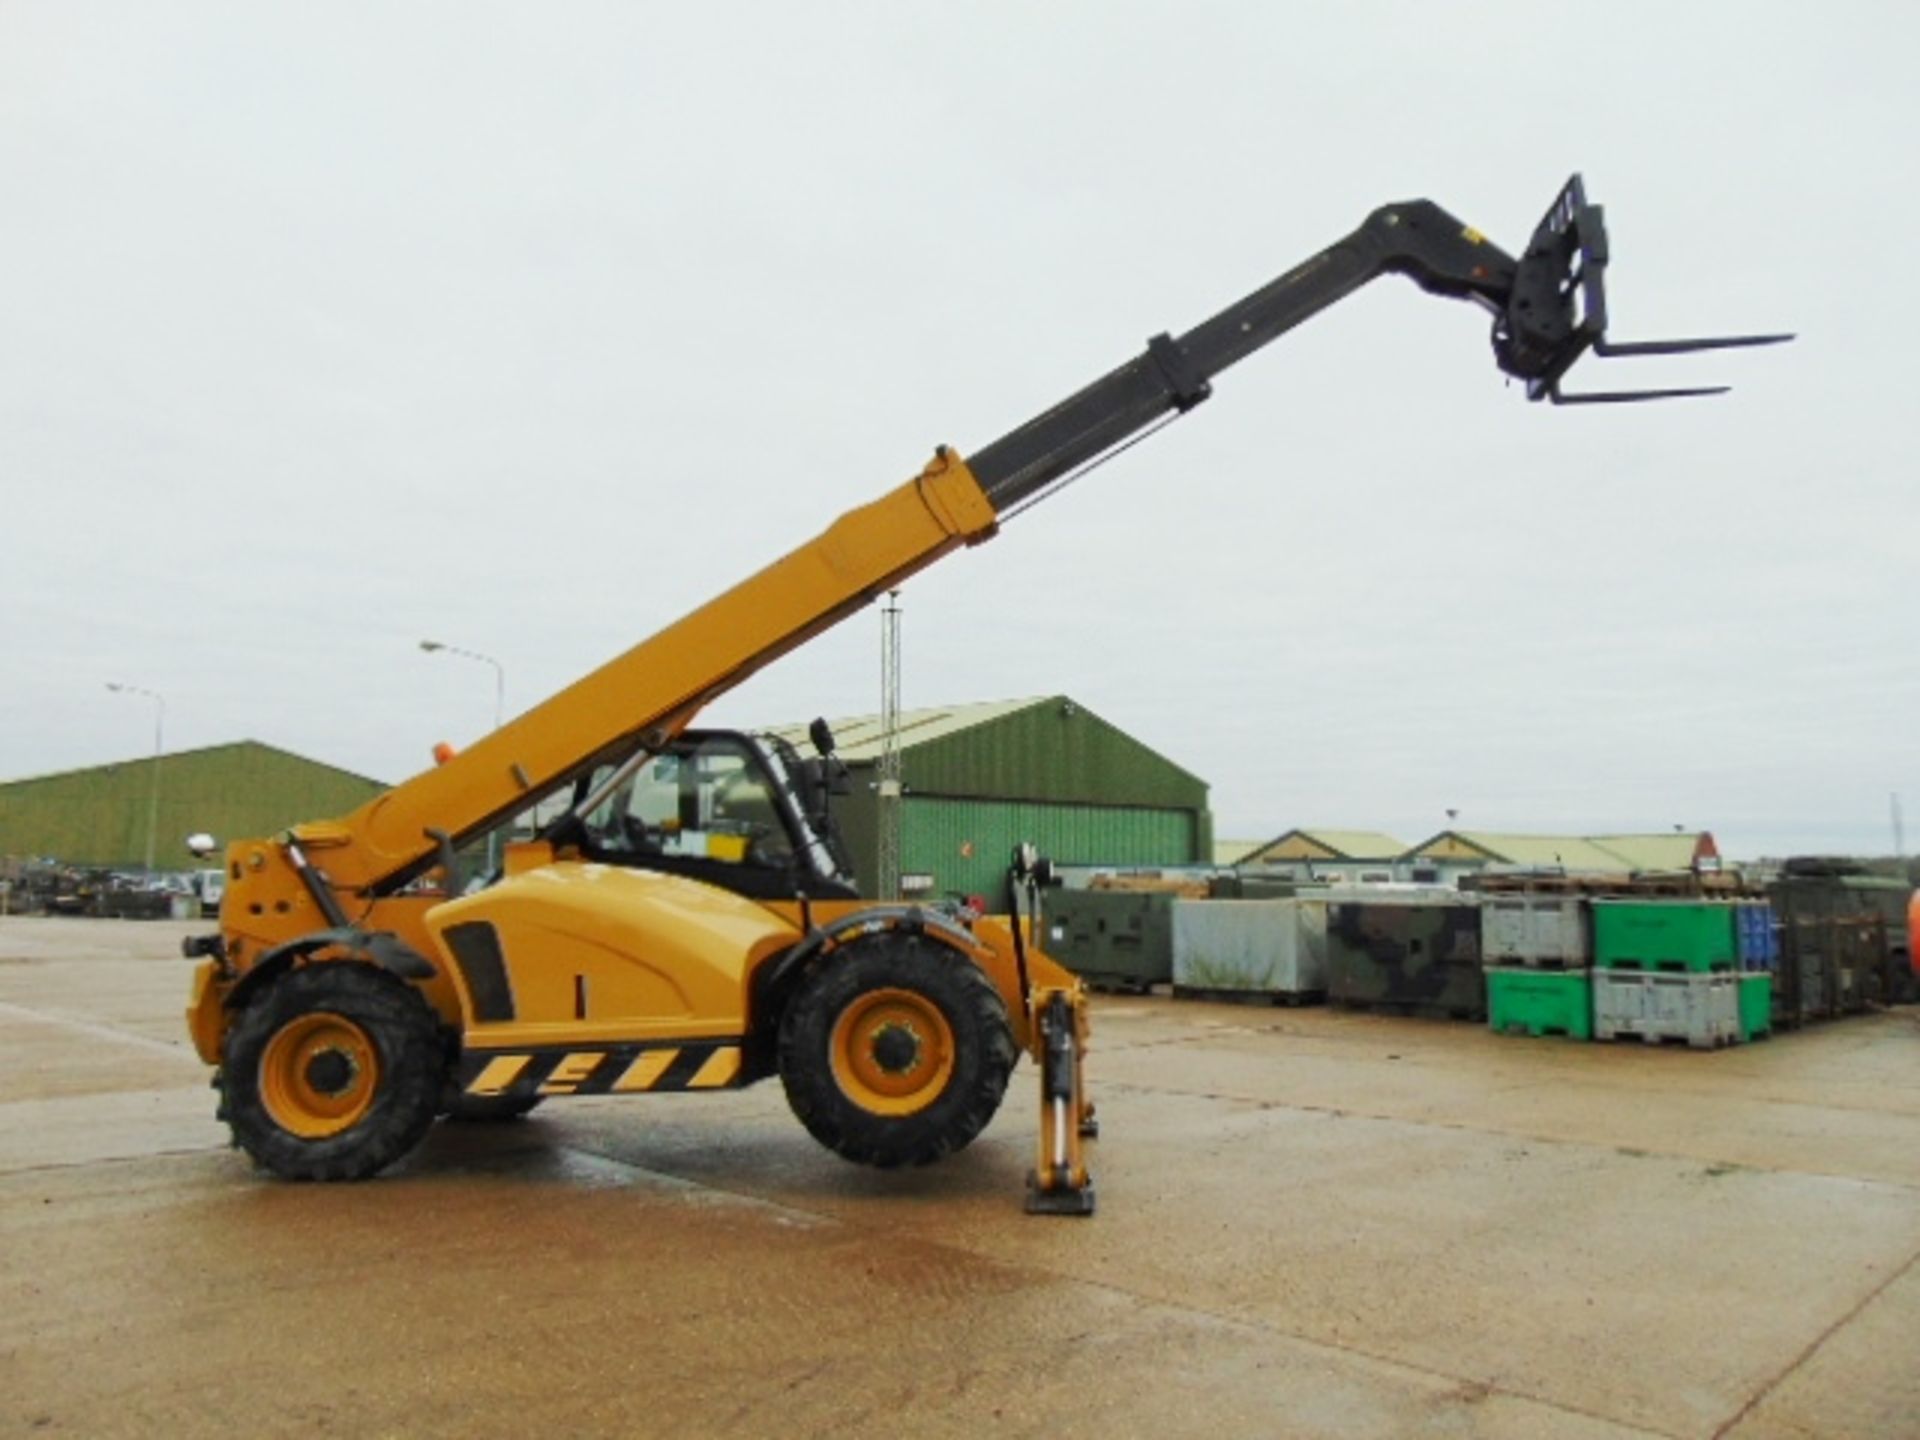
column 1756, row 1005
column 1540, row 1002
column 1663, row 935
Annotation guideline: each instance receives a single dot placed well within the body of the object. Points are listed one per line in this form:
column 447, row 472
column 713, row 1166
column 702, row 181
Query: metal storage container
column 1276, row 948
column 1822, row 890
column 1420, row 956
column 1802, row 988
column 1701, row 1009
column 1251, row 887
column 1112, row 939
column 1832, row 965
column 1859, row 972
column 1756, row 942
column 1549, row 931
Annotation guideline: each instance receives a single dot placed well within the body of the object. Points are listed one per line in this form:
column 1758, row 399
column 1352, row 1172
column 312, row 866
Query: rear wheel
column 895, row 1051
column 334, row 1073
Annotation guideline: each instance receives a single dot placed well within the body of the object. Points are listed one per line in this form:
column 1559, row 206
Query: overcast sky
column 328, row 328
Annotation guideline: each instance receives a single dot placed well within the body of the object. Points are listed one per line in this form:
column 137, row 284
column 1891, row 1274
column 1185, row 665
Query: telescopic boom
column 1548, row 308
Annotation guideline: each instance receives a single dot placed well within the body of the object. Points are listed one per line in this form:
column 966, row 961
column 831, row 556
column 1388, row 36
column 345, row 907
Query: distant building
column 1232, row 852
column 1451, row 853
column 981, row 778
column 1369, row 855
column 1321, row 854
column 98, row 816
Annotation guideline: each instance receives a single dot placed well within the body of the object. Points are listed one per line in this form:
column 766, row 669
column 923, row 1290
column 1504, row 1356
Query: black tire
column 912, row 1014
column 333, row 1073
column 490, row 1109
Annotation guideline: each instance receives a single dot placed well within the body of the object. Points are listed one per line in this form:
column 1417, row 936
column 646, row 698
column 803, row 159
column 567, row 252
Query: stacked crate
column 1538, row 965
column 1756, row 944
column 1665, row 970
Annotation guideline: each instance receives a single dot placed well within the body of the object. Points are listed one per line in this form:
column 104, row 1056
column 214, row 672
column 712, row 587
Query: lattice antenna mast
column 889, row 770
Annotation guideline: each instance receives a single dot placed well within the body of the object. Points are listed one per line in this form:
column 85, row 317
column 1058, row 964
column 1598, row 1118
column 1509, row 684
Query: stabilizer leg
column 1059, row 1183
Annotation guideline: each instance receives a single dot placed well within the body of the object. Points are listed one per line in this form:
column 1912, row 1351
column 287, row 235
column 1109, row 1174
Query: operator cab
column 743, row 812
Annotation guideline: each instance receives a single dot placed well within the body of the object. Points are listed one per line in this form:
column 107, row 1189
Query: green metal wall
column 965, row 844
column 1056, row 750
column 99, row 816
column 1054, row 774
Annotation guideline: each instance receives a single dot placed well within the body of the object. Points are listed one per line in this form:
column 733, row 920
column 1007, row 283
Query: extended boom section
column 685, row 921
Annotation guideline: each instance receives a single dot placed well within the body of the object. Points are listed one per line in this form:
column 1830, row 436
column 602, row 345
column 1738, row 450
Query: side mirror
column 201, row 844
column 821, row 734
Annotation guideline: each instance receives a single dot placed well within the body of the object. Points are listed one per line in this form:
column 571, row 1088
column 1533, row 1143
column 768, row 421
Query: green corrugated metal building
column 98, row 816
column 981, row 778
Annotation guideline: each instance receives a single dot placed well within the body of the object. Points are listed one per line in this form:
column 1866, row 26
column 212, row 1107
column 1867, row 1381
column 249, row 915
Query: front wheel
column 334, row 1073
column 895, row 1051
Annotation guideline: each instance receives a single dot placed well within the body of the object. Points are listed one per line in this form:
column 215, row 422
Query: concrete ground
column 1311, row 1224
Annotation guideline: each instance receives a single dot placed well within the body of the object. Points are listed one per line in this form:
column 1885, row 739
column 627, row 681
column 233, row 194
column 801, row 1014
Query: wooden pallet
column 1716, row 1042
column 1560, row 964
column 1537, row 1032
column 1682, row 885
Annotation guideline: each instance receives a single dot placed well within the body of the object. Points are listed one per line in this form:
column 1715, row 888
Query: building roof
column 1317, row 843
column 202, row 752
column 1232, row 852
column 1668, row 850
column 1673, row 850
column 1045, row 748
column 859, row 738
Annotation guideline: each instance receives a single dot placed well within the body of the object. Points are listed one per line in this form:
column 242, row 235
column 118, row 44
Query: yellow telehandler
column 684, row 920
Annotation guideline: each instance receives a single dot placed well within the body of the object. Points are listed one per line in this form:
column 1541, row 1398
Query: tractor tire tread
column 402, row 1027
column 984, row 1052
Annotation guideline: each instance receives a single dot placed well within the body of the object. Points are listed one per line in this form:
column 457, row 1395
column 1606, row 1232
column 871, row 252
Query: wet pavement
column 1311, row 1224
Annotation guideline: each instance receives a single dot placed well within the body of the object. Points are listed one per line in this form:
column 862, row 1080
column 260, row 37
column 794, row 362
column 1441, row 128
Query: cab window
column 707, row 801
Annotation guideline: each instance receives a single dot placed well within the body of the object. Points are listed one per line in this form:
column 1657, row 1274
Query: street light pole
column 434, row 647
column 159, row 730
column 499, row 673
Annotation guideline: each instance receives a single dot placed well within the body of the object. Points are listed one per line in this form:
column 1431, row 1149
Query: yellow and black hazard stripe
column 604, row 1070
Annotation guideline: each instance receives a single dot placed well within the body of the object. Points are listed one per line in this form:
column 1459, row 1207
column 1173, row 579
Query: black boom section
column 1549, row 309
column 1417, row 238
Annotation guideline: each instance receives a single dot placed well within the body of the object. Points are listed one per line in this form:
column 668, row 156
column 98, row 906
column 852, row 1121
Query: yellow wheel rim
column 318, row 1075
column 892, row 1052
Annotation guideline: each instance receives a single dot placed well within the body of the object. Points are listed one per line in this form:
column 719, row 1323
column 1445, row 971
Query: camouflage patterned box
column 1420, row 957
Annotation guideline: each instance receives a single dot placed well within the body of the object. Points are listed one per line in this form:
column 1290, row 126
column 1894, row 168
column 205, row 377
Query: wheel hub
column 896, row 1048
column 892, row 1051
column 332, row 1072
column 319, row 1075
